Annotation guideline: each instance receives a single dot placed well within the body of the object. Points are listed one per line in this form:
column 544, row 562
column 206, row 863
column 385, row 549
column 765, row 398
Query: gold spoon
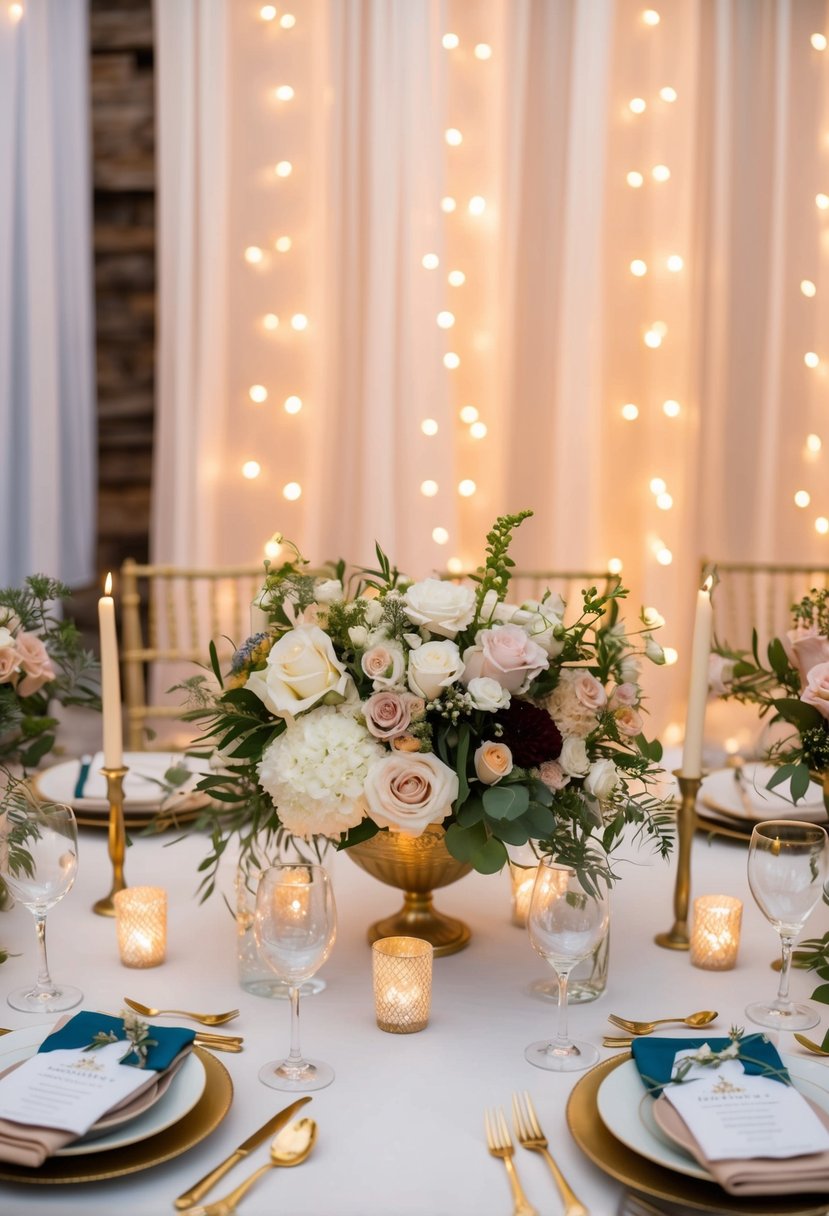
column 702, row 1018
column 206, row 1019
column 290, row 1147
column 810, row 1045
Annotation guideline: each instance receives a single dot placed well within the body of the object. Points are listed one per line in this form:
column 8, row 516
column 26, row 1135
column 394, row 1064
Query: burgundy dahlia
column 530, row 733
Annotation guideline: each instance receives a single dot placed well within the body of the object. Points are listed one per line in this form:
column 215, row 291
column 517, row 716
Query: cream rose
column 816, row 692
column 507, row 655
column 35, row 662
column 388, row 713
column 492, row 762
column 384, row 664
column 301, row 670
column 433, row 667
column 408, row 791
column 602, row 778
column 573, row 758
column 628, row 721
column 487, row 694
column 9, row 665
column 442, row 607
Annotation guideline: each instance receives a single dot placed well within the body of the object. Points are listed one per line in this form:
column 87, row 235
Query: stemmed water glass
column 786, row 871
column 568, row 919
column 295, row 924
column 38, row 863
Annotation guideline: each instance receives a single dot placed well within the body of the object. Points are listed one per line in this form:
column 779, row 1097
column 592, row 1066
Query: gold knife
column 218, row 1044
column 191, row 1197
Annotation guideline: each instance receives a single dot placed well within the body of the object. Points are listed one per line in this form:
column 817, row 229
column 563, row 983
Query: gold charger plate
column 204, row 1118
column 718, row 827
column 621, row 1163
column 162, row 821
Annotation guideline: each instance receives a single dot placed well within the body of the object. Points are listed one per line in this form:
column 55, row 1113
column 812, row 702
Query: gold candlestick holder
column 678, row 937
column 117, row 840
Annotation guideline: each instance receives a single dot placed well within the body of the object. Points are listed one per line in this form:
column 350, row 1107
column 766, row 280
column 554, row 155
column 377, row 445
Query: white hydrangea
column 567, row 711
column 316, row 769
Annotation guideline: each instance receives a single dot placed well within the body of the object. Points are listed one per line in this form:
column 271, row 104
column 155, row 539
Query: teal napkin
column 80, row 1030
column 654, row 1057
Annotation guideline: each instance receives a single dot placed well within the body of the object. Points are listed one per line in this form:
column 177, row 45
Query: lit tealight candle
column 715, row 936
column 141, row 925
column 402, row 968
column 522, row 879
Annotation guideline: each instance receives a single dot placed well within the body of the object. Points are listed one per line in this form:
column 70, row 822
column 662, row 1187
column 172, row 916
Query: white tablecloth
column 401, row 1129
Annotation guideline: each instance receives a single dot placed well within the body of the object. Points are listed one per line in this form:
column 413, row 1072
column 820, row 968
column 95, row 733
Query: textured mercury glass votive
column 522, row 879
column 715, row 934
column 141, row 925
column 402, row 969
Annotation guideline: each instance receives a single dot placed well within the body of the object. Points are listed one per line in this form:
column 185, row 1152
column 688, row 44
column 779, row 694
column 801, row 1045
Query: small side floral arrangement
column 42, row 660
column 136, row 1032
column 396, row 704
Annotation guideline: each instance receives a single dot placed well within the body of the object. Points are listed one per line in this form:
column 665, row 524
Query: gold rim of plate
column 614, row 1158
column 204, row 1118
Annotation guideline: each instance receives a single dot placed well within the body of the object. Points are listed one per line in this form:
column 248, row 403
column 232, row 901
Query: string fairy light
column 267, row 12
column 258, row 393
column 478, row 430
column 630, row 412
column 284, row 92
column 429, row 488
column 251, row 469
column 292, row 404
column 270, row 321
column 671, row 408
column 468, row 414
column 429, row 426
column 635, row 179
column 287, row 21
column 802, row 498
column 292, row 490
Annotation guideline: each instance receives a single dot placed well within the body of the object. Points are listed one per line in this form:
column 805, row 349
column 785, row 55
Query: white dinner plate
column 626, row 1110
column 722, row 795
column 143, row 788
column 184, row 1092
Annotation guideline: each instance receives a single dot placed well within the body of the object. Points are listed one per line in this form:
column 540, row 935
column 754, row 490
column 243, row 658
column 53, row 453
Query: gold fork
column 500, row 1145
column 206, row 1019
column 529, row 1133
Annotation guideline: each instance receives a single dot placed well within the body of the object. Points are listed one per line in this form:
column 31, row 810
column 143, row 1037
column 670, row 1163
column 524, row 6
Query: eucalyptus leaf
column 506, row 801
column 491, row 858
column 465, row 843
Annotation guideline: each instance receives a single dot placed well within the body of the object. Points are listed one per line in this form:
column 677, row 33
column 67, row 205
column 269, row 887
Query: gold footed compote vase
column 416, row 865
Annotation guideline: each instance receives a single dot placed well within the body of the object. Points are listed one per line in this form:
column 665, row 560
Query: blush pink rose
column 407, row 791
column 805, row 649
column 628, row 721
column 816, row 692
column 624, row 694
column 35, row 662
column 384, row 665
column 9, row 665
column 553, row 775
column 589, row 691
column 389, row 714
column 506, row 654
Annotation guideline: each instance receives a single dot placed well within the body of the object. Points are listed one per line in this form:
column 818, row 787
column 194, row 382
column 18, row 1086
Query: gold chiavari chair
column 758, row 595
column 169, row 616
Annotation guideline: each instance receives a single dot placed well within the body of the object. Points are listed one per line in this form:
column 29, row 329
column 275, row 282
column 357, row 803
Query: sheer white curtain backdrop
column 47, row 388
column 486, row 254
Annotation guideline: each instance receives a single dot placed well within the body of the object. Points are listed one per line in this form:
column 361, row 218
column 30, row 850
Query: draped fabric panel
column 554, row 261
column 47, row 394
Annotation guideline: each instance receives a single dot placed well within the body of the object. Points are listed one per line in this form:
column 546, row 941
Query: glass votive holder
column 141, row 925
column 522, row 881
column 402, row 969
column 715, row 933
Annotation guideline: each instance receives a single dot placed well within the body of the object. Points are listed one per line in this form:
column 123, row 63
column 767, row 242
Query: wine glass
column 786, row 873
column 567, row 920
column 295, row 924
column 38, row 863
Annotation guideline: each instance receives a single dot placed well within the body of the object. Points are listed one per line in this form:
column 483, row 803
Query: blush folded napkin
column 29, row 1145
column 654, row 1058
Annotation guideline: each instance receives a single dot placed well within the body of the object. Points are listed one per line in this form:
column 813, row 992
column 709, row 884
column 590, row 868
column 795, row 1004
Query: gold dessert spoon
column 206, row 1019
column 810, row 1045
column 702, row 1018
column 290, row 1147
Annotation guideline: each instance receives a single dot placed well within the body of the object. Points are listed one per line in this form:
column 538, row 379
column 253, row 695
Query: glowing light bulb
column 273, row 547
column 660, row 173
column 453, row 137
column 658, row 485
column 671, row 408
column 267, row 12
column 664, row 501
column 454, row 565
column 448, row 204
column 635, row 179
column 451, row 360
column 446, row 319
column 292, row 490
column 450, row 41
column 251, row 469
column 440, row 536
column 802, row 498
column 822, row 525
column 270, row 320
column 469, row 414
column 814, row 443
column 653, row 339
column 253, row 255
column 674, row 263
column 478, row 430
column 630, row 412
column 292, row 405
column 651, row 17
column 614, row 565
column 638, row 267
column 818, row 41
column 637, row 105
column 664, row 556
column 429, row 426
column 283, row 169
column 287, row 21
column 467, row 488
column 430, row 261
column 429, row 488
column 284, row 92
column 668, row 94
column 258, row 393
column 282, row 244
column 476, row 205
column 671, row 655
column 822, row 201
column 811, row 359
column 456, row 278
column 807, row 287
column 483, row 51
column 299, row 321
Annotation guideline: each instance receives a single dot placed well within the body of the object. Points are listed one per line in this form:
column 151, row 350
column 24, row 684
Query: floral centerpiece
column 400, row 704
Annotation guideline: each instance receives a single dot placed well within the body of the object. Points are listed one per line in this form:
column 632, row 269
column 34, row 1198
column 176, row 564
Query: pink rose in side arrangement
column 35, row 662
column 408, row 791
column 805, row 648
column 628, row 722
column 506, row 654
column 816, row 692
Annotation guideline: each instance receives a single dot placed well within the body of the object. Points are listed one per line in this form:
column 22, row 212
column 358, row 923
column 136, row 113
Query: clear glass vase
column 588, row 979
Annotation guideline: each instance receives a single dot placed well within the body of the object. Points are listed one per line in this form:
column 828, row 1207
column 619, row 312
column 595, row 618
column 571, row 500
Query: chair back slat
column 758, row 595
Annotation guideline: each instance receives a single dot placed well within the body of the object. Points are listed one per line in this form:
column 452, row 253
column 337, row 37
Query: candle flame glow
column 108, row 585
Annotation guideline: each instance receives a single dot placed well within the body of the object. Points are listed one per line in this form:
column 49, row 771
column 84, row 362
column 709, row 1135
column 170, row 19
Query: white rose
column 413, row 640
column 444, row 608
column 302, row 668
column 487, row 694
column 495, row 610
column 602, row 778
column 358, row 636
column 406, row 791
column 327, row 590
column 573, row 758
column 652, row 619
column 542, row 627
column 433, row 667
